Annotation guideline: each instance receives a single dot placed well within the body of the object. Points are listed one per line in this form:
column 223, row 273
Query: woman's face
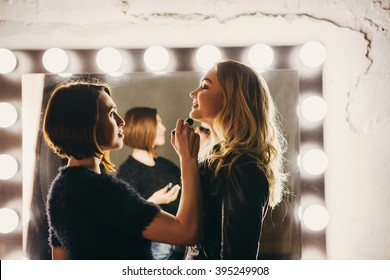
column 160, row 132
column 110, row 124
column 207, row 98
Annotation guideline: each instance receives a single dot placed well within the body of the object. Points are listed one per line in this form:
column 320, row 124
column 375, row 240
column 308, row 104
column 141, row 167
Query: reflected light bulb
column 9, row 220
column 260, row 56
column 314, row 162
column 9, row 167
column 7, row 61
column 314, row 108
column 55, row 60
column 316, row 217
column 156, row 58
column 109, row 60
column 8, row 114
column 207, row 55
column 313, row 54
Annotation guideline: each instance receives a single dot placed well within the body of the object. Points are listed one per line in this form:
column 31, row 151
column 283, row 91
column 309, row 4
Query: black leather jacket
column 234, row 208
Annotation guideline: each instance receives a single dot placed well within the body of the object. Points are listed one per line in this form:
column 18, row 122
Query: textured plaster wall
column 356, row 79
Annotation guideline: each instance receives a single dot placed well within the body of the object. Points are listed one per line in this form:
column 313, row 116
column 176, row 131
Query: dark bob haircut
column 70, row 120
column 140, row 128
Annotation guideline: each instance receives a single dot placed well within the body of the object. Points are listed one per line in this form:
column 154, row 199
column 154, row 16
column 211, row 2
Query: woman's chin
column 118, row 146
column 193, row 115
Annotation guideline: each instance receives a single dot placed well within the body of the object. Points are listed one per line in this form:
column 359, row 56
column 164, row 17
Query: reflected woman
column 93, row 215
column 156, row 178
column 241, row 174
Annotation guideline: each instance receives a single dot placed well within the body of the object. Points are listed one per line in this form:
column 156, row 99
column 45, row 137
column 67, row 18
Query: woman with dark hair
column 93, row 215
column 156, row 178
column 241, row 169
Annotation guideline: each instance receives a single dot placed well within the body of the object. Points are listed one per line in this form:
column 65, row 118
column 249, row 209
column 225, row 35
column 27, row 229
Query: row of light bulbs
column 9, row 167
column 157, row 58
column 314, row 161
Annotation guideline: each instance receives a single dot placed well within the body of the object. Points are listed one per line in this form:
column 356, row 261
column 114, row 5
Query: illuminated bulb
column 8, row 114
column 313, row 54
column 55, row 60
column 109, row 60
column 156, row 58
column 316, row 217
column 7, row 61
column 9, row 167
column 207, row 55
column 314, row 108
column 314, row 162
column 260, row 56
column 9, row 220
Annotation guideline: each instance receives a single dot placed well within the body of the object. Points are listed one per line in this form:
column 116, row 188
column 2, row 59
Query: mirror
column 169, row 94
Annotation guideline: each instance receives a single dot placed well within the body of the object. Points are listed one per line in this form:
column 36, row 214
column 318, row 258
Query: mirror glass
column 169, row 94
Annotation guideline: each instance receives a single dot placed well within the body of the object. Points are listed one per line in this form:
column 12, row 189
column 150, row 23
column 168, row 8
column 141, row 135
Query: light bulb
column 109, row 60
column 8, row 114
column 156, row 58
column 207, row 56
column 55, row 60
column 7, row 61
column 313, row 54
column 260, row 56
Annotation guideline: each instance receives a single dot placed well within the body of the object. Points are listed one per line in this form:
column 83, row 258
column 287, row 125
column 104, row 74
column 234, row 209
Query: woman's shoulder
column 129, row 162
column 129, row 168
column 246, row 160
column 82, row 178
column 72, row 174
column 247, row 166
column 164, row 161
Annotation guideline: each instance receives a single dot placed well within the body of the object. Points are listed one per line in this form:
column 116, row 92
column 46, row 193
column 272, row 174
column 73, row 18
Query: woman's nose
column 120, row 121
column 193, row 93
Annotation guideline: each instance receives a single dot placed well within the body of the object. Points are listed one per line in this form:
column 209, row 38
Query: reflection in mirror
column 169, row 94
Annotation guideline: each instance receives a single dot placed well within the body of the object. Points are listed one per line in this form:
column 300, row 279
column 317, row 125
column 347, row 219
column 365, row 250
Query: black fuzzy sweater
column 96, row 216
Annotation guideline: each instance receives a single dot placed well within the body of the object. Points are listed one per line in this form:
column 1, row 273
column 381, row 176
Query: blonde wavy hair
column 248, row 124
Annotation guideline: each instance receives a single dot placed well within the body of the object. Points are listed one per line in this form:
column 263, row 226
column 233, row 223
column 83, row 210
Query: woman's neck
column 214, row 136
column 143, row 156
column 92, row 163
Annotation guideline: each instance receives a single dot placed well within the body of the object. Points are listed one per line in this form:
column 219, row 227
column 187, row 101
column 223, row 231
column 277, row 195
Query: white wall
column 356, row 79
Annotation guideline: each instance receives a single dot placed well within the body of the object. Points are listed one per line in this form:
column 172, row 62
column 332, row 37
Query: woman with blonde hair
column 241, row 172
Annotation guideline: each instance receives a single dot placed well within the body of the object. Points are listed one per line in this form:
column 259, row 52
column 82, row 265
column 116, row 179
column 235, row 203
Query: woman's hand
column 185, row 141
column 187, row 226
column 165, row 195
